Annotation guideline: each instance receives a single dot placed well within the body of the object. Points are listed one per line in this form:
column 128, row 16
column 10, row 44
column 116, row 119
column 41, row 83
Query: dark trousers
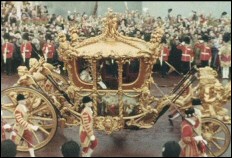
column 204, row 63
column 164, row 69
column 8, row 66
column 185, row 67
column 214, row 57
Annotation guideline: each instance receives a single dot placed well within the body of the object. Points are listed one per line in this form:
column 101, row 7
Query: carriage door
column 107, row 86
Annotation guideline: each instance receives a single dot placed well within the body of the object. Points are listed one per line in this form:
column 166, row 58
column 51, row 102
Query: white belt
column 186, row 55
column 204, row 53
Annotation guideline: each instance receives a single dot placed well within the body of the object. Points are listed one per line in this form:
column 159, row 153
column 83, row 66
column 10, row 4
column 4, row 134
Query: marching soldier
column 26, row 49
column 7, row 52
column 48, row 49
column 164, row 57
column 205, row 51
column 187, row 55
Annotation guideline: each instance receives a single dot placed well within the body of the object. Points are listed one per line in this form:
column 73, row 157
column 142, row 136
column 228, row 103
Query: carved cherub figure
column 62, row 41
column 74, row 36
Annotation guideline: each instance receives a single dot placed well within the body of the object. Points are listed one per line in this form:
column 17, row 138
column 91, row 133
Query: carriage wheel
column 217, row 134
column 41, row 113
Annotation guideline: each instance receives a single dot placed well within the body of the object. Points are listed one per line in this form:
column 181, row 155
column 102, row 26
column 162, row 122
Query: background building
column 155, row 8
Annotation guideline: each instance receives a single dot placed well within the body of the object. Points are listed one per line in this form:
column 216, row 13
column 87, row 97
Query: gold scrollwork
column 109, row 124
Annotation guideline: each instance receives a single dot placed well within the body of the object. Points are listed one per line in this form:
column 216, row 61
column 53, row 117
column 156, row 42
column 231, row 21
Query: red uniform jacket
column 205, row 51
column 187, row 53
column 189, row 144
column 8, row 48
column 86, row 128
column 49, row 49
column 22, row 125
column 27, row 48
column 166, row 53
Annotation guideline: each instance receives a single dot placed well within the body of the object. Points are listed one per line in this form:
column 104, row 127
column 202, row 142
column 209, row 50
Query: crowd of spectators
column 36, row 20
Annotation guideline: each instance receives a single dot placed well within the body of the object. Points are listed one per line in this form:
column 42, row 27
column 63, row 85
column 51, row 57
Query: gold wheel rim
column 43, row 115
column 217, row 134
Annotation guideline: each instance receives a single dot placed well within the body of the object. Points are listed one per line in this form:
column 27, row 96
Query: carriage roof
column 112, row 44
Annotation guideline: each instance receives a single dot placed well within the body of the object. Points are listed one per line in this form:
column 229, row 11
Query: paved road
column 127, row 143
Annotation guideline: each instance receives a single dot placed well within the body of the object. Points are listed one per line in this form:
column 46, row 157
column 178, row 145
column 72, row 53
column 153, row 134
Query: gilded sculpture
column 214, row 95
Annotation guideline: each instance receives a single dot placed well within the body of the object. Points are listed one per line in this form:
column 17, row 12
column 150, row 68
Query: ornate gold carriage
column 116, row 72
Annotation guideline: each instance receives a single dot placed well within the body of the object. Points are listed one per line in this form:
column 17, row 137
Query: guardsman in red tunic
column 22, row 127
column 205, row 51
column 164, row 57
column 26, row 49
column 187, row 55
column 7, row 53
column 225, row 56
column 87, row 137
column 48, row 49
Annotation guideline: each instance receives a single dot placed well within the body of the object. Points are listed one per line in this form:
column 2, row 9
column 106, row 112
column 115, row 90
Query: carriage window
column 84, row 70
column 107, row 74
column 108, row 105
column 131, row 71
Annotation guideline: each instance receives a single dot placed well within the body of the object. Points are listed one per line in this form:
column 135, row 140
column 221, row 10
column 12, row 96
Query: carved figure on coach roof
column 74, row 36
column 64, row 47
column 155, row 45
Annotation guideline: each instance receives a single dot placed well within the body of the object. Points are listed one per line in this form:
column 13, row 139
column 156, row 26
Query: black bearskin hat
column 86, row 99
column 226, row 37
column 169, row 10
column 6, row 36
column 187, row 40
column 205, row 38
column 20, row 97
column 163, row 40
column 48, row 37
column 26, row 36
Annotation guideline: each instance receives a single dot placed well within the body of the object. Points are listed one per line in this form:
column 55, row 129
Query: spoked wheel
column 41, row 113
column 217, row 134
